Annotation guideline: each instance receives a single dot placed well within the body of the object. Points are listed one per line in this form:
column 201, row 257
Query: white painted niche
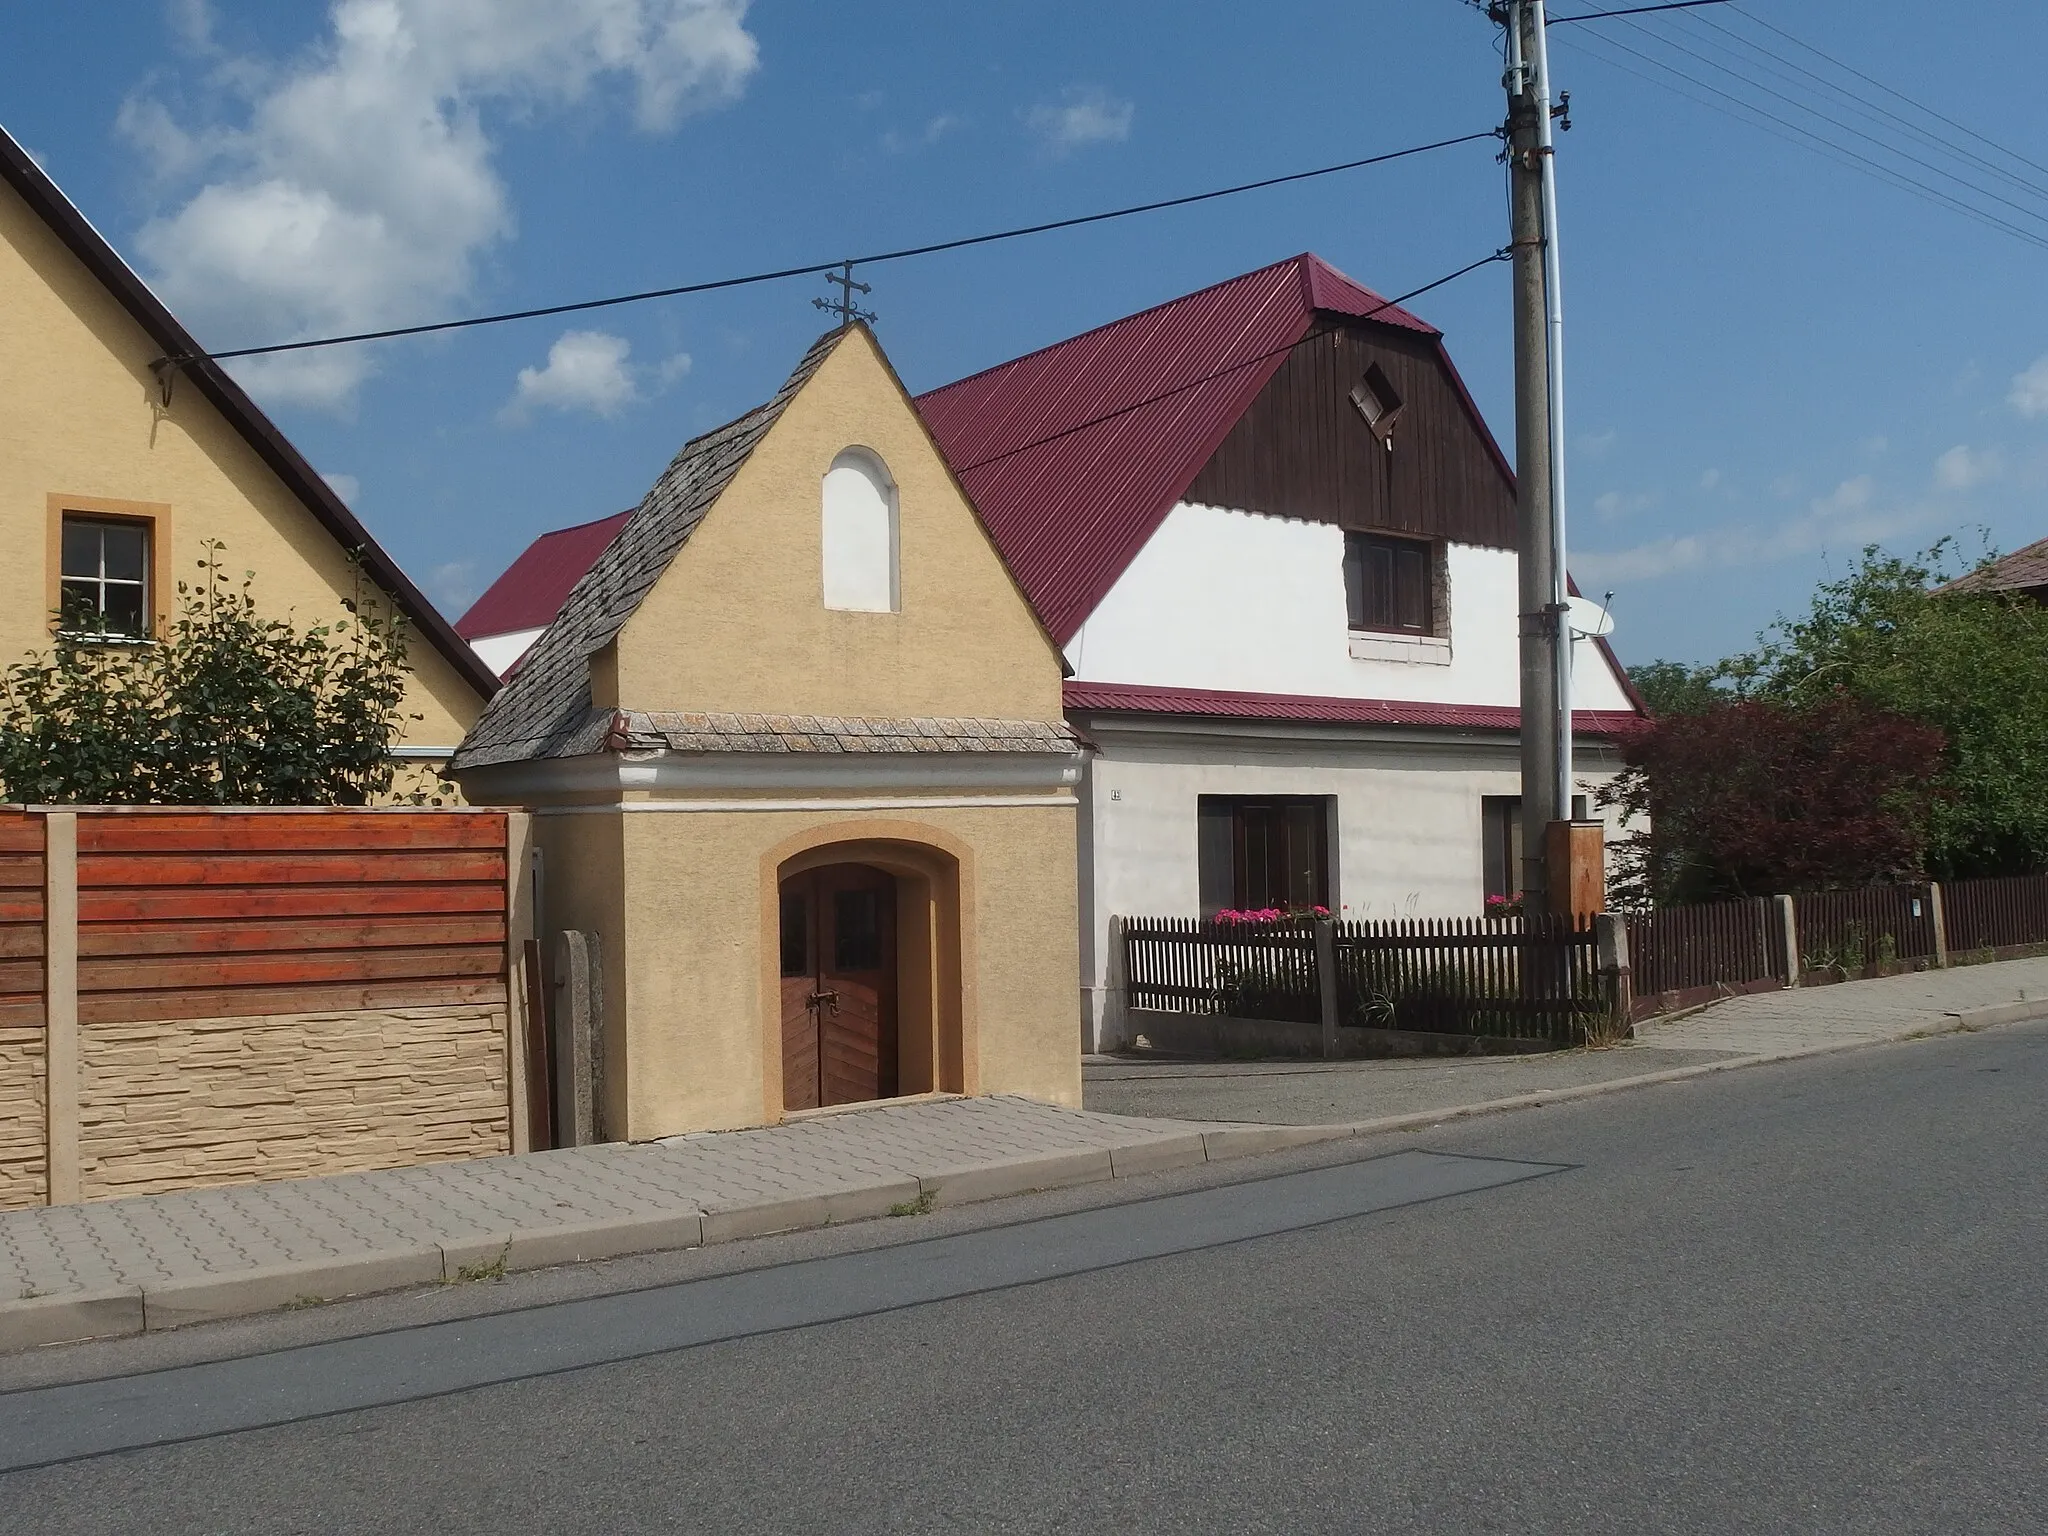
column 860, row 535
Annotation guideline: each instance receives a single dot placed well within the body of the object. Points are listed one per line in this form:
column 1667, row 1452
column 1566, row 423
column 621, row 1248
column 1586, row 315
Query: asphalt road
column 1797, row 1298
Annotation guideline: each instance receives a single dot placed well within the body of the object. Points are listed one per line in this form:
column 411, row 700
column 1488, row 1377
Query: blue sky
column 1772, row 357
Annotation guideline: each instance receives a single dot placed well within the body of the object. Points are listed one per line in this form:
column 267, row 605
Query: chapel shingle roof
column 545, row 709
column 659, row 731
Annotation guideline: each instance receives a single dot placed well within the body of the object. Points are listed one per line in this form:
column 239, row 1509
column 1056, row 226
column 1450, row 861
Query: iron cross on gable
column 843, row 306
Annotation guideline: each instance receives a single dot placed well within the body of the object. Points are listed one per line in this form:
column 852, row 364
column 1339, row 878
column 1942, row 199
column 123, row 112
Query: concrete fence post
column 1326, row 981
column 60, row 1004
column 521, row 925
column 1114, row 1031
column 1610, row 937
column 578, row 1020
column 1788, row 920
column 1940, row 921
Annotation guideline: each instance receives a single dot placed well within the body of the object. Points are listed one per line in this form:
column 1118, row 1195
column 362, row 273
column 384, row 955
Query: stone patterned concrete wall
column 24, row 1126
column 181, row 1105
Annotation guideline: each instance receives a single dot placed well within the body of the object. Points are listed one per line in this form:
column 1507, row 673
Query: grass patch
column 469, row 1274
column 921, row 1206
column 300, row 1303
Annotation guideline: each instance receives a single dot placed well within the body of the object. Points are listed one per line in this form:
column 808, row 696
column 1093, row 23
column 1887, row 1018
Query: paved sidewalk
column 157, row 1261
column 1386, row 1094
column 1854, row 1010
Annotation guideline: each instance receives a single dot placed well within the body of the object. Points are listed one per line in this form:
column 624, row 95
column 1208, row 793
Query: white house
column 1276, row 542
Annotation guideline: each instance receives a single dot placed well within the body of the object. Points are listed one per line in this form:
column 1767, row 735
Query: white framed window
column 105, row 576
column 860, row 535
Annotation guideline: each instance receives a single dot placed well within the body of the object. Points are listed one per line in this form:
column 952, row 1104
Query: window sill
column 101, row 637
column 1413, row 650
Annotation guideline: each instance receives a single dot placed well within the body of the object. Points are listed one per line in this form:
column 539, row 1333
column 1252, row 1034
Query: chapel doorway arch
column 867, row 998
column 839, row 986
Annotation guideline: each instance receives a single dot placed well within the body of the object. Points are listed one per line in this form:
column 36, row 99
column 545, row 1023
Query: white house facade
column 1289, row 607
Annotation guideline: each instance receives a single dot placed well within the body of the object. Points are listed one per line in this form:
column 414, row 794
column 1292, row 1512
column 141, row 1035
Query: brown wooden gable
column 1303, row 450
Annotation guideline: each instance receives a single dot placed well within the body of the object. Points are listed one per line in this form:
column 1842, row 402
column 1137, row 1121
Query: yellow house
column 123, row 451
column 798, row 762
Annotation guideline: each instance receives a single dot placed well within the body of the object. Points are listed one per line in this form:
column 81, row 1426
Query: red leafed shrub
column 1753, row 797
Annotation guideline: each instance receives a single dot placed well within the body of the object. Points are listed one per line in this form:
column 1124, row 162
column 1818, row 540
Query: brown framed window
column 1390, row 583
column 1375, row 398
column 1260, row 851
column 104, row 578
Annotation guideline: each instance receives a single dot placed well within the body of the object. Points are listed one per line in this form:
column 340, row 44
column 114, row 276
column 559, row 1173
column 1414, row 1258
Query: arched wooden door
column 838, row 986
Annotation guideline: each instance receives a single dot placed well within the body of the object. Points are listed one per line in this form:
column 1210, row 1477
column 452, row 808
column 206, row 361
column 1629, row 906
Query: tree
column 1972, row 665
column 1673, row 688
column 226, row 708
column 1754, row 796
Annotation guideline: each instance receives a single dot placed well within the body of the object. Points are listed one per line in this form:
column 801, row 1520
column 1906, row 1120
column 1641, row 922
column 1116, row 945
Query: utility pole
column 1539, row 444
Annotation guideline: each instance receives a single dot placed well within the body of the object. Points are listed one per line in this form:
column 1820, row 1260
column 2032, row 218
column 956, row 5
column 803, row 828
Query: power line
column 1874, row 111
column 1797, row 105
column 1218, row 373
column 1637, row 10
column 813, row 268
column 1763, row 118
column 1889, row 91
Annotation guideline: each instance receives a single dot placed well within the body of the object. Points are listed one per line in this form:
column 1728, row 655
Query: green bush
column 225, row 708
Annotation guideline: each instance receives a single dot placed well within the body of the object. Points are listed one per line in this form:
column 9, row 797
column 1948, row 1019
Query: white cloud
column 1854, row 513
column 453, row 586
column 1598, row 445
column 673, row 367
column 2029, row 394
column 1082, row 115
column 358, row 190
column 1614, row 505
column 896, row 142
column 347, row 487
column 586, row 371
column 1963, row 467
column 1710, row 479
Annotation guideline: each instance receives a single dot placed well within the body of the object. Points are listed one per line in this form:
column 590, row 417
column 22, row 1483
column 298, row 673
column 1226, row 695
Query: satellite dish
column 1589, row 620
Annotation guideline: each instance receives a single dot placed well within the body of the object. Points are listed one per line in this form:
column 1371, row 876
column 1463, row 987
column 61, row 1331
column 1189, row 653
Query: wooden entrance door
column 838, row 986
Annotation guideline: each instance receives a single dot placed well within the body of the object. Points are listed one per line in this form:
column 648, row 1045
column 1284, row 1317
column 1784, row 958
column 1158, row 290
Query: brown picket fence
column 1995, row 914
column 1245, row 970
column 1533, row 979
column 1849, row 931
column 1686, row 955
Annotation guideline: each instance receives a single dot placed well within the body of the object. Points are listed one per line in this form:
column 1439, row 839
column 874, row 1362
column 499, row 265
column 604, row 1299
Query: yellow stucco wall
column 683, row 891
column 738, row 622
column 699, row 1022
column 80, row 416
column 583, row 888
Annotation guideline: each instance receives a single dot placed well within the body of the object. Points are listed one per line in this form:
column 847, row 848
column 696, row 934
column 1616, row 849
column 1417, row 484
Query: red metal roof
column 1075, row 453
column 534, row 587
column 1214, row 704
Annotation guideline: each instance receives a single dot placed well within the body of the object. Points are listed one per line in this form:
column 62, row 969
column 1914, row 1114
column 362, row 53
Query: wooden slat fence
column 21, row 921
column 1686, row 955
column 207, row 915
column 1535, row 980
column 1995, row 914
column 1520, row 978
column 1850, row 930
column 1245, row 970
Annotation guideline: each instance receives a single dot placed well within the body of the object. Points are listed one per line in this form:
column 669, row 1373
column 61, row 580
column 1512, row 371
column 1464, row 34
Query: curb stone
column 1016, row 1176
column 34, row 1320
column 202, row 1298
